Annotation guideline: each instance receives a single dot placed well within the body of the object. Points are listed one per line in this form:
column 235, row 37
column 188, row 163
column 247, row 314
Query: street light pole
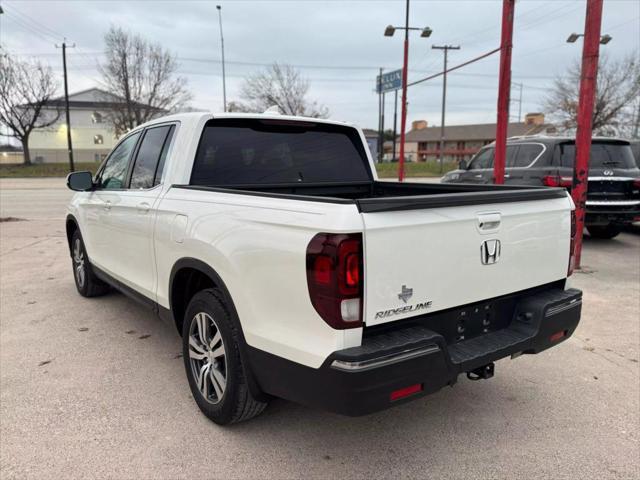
column 446, row 49
column 504, row 90
column 395, row 123
column 224, row 80
column 588, row 76
column 388, row 32
column 403, row 104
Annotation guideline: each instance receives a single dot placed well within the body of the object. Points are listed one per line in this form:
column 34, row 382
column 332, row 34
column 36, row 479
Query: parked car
column 268, row 242
column 613, row 194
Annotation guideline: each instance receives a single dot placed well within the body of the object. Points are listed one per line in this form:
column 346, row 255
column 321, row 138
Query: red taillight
column 353, row 270
column 405, row 392
column 636, row 183
column 334, row 278
column 572, row 244
column 557, row 181
column 558, row 336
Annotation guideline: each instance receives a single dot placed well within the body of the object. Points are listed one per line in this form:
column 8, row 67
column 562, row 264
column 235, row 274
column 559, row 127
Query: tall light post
column 224, row 80
column 388, row 32
column 446, row 49
column 588, row 77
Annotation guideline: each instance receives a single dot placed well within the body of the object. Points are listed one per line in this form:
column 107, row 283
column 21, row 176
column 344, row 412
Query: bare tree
column 281, row 86
column 25, row 88
column 618, row 88
column 140, row 78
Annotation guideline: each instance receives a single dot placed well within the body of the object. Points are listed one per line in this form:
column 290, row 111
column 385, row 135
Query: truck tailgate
column 424, row 260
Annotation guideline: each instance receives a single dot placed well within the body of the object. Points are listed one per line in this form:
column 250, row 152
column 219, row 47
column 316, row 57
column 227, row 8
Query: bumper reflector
column 405, row 392
column 558, row 336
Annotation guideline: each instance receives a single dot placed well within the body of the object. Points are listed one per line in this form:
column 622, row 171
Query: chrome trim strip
column 382, row 361
column 606, row 203
column 615, row 179
column 561, row 308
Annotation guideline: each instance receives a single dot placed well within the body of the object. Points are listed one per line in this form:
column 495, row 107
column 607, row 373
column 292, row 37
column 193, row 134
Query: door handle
column 506, row 175
column 489, row 222
column 478, row 176
column 107, row 205
column 143, row 207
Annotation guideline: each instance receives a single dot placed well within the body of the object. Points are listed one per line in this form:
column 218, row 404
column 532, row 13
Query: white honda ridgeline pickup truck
column 291, row 271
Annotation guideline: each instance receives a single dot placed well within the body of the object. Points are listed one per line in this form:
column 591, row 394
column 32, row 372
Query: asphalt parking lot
column 96, row 388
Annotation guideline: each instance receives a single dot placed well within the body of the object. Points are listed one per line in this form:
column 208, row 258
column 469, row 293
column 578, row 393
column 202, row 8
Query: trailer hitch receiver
column 485, row 372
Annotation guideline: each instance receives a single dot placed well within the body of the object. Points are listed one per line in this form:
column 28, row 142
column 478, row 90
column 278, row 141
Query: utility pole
column 588, row 75
column 395, row 122
column 224, row 79
column 66, row 101
column 504, row 88
column 520, row 87
column 446, row 49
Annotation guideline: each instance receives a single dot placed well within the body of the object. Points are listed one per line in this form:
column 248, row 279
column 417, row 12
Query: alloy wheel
column 78, row 263
column 207, row 357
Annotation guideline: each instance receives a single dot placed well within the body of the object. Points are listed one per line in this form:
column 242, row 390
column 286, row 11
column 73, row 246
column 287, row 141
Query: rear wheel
column 87, row 284
column 603, row 231
column 217, row 377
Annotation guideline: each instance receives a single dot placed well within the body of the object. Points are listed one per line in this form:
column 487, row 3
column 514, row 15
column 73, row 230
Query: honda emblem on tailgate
column 490, row 252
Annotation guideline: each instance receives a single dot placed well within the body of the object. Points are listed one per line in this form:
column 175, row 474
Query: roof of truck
column 198, row 116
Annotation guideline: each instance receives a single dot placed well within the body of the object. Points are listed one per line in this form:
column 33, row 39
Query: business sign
column 388, row 82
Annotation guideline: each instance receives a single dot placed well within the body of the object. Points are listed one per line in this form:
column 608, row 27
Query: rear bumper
column 605, row 212
column 360, row 380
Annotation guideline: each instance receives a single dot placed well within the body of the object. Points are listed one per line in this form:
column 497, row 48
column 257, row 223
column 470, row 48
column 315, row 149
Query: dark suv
column 613, row 196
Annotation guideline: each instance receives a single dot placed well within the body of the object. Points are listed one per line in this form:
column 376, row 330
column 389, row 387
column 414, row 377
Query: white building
column 92, row 136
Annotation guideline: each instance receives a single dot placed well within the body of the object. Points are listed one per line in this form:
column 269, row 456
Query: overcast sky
column 338, row 46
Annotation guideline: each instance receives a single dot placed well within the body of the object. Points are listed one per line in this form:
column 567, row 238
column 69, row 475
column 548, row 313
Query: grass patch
column 414, row 169
column 385, row 170
column 43, row 169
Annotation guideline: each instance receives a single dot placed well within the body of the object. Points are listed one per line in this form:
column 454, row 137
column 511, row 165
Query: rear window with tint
column 255, row 152
column 603, row 155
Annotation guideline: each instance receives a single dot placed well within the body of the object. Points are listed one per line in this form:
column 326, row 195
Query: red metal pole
column 403, row 115
column 589, row 73
column 504, row 89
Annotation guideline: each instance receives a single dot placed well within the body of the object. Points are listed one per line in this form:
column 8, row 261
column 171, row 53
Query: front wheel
column 605, row 232
column 87, row 284
column 210, row 346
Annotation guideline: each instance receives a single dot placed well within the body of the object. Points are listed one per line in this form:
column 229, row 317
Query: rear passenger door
column 132, row 219
column 522, row 164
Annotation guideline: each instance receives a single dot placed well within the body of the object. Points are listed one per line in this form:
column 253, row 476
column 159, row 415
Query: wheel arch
column 189, row 276
column 71, row 226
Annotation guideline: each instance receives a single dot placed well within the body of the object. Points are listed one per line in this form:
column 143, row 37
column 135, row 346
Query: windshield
column 603, row 155
column 258, row 152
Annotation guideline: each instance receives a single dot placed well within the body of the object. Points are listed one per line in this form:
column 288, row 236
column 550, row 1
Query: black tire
column 605, row 232
column 87, row 284
column 236, row 403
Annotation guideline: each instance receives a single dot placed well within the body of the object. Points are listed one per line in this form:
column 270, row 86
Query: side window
column 114, row 172
column 512, row 155
column 483, row 159
column 163, row 156
column 151, row 149
column 526, row 155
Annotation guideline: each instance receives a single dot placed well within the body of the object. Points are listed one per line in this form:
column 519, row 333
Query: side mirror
column 80, row 181
column 462, row 164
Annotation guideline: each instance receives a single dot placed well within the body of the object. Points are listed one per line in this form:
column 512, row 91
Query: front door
column 100, row 239
column 131, row 220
